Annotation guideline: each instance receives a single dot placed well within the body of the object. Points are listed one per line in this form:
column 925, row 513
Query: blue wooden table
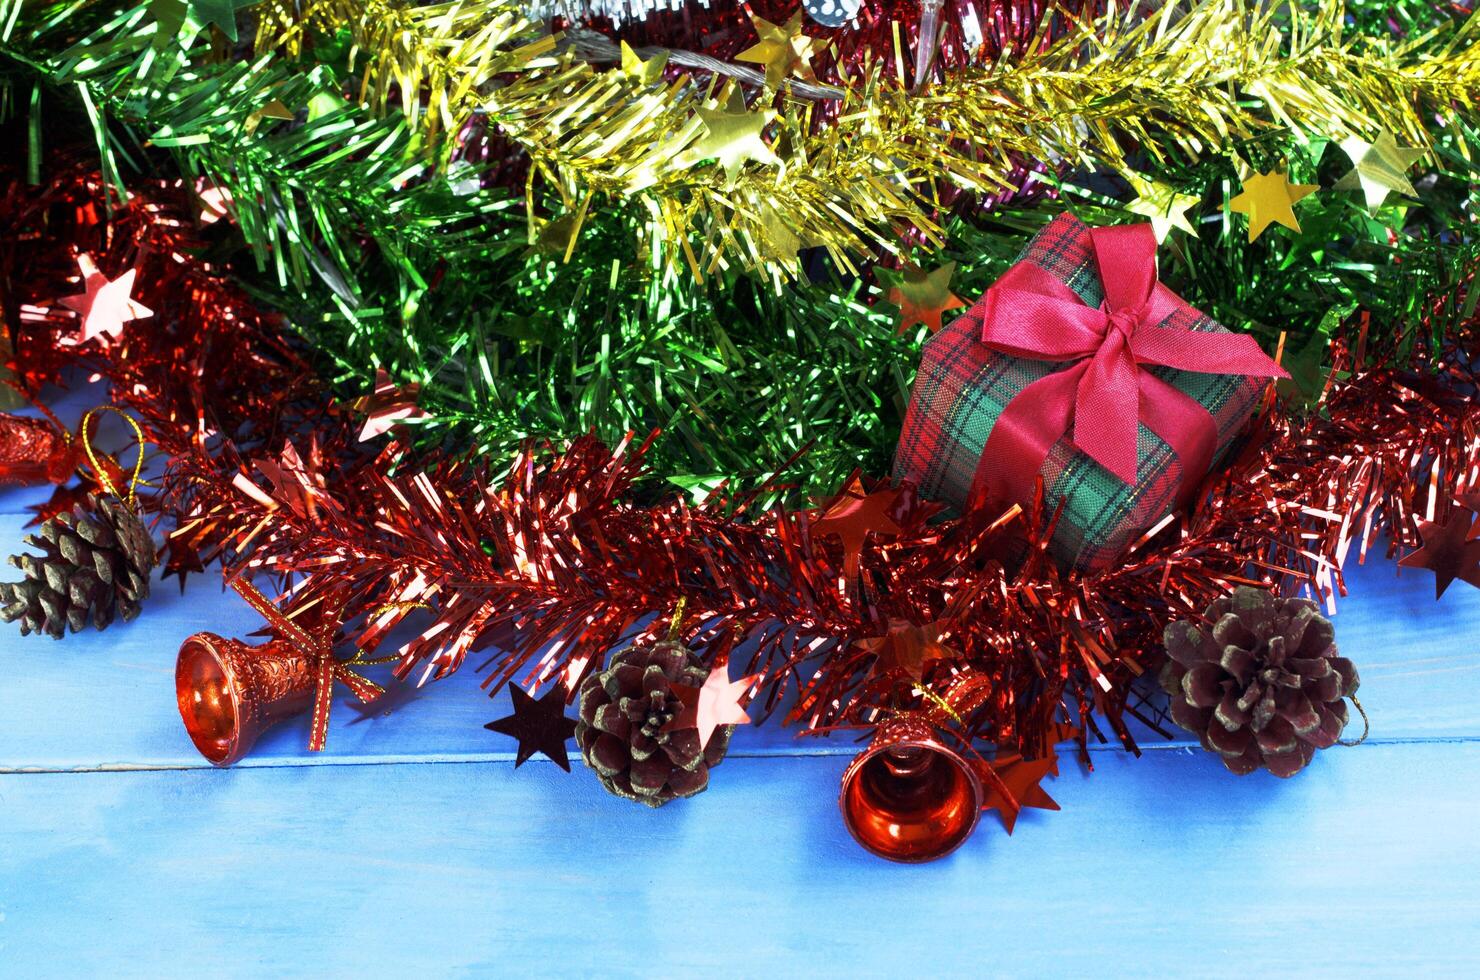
column 412, row 846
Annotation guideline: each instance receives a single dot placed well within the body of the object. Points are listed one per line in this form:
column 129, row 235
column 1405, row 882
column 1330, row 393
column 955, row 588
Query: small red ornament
column 34, row 451
column 229, row 693
column 909, row 797
column 853, row 515
column 388, row 406
column 540, row 725
column 713, row 704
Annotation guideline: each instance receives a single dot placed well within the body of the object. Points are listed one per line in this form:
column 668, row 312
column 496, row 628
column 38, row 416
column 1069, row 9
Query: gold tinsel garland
column 728, row 183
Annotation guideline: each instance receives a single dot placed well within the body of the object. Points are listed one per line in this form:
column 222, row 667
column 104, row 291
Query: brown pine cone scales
column 1262, row 686
column 624, row 709
column 94, row 565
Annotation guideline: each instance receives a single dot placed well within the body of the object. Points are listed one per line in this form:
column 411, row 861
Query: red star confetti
column 853, row 515
column 715, row 703
column 907, row 648
column 388, row 406
column 105, row 305
column 1021, row 778
column 182, row 558
column 296, row 484
column 1448, row 551
column 63, row 500
column 922, row 297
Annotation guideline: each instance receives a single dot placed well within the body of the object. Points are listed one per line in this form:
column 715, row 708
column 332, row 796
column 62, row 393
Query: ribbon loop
column 1102, row 395
column 318, row 647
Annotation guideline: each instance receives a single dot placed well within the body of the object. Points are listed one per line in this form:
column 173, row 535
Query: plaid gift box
column 1049, row 321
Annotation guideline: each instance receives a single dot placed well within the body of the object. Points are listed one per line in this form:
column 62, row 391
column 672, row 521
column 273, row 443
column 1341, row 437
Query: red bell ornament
column 229, row 693
column 908, row 796
column 34, row 451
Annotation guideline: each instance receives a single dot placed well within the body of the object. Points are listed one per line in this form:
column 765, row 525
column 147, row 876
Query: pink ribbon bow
column 1101, row 395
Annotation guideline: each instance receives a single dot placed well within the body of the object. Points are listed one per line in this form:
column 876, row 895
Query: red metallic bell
column 908, row 796
column 229, row 693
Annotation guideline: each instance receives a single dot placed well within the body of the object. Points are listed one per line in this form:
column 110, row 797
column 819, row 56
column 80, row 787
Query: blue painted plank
column 1363, row 864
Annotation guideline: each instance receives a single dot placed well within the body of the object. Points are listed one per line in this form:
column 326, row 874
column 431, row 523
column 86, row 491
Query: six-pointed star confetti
column 105, row 304
column 540, row 725
column 1448, row 551
column 853, row 515
column 716, row 702
column 1378, row 168
column 907, row 647
column 732, row 135
column 1269, row 198
column 783, row 49
column 1161, row 203
column 647, row 72
column 922, row 297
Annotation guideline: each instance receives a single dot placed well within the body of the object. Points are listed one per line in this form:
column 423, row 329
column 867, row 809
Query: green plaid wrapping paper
column 962, row 387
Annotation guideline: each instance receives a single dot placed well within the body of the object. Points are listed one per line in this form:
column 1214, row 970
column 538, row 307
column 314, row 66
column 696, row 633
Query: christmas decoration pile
column 580, row 344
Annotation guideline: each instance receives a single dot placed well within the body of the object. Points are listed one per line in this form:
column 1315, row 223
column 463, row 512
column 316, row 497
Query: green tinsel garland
column 393, row 264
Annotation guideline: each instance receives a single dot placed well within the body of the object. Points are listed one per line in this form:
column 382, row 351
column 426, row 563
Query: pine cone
column 94, row 564
column 1263, row 686
column 623, row 711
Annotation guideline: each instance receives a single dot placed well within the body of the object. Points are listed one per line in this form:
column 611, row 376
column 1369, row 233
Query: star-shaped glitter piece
column 1162, row 204
column 1448, row 551
column 713, row 704
column 853, row 515
column 922, row 297
column 295, row 484
column 1378, row 168
column 776, row 236
column 182, row 559
column 62, row 501
column 1267, row 199
column 732, row 135
column 1021, row 777
column 105, row 305
column 783, row 49
column 274, row 109
column 388, row 406
column 906, row 647
column 647, row 72
column 539, row 724
column 1469, row 501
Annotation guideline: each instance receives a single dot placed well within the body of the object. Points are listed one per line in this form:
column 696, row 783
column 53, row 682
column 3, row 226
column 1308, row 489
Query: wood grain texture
column 413, row 847
column 1167, row 864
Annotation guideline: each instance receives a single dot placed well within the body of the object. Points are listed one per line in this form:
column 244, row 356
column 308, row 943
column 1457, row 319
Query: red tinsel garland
column 553, row 566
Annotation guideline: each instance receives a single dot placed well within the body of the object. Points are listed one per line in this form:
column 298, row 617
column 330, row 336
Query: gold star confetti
column 1379, row 168
column 1267, row 199
column 646, row 72
column 921, row 296
column 732, row 135
column 272, row 110
column 1162, row 204
column 784, row 50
